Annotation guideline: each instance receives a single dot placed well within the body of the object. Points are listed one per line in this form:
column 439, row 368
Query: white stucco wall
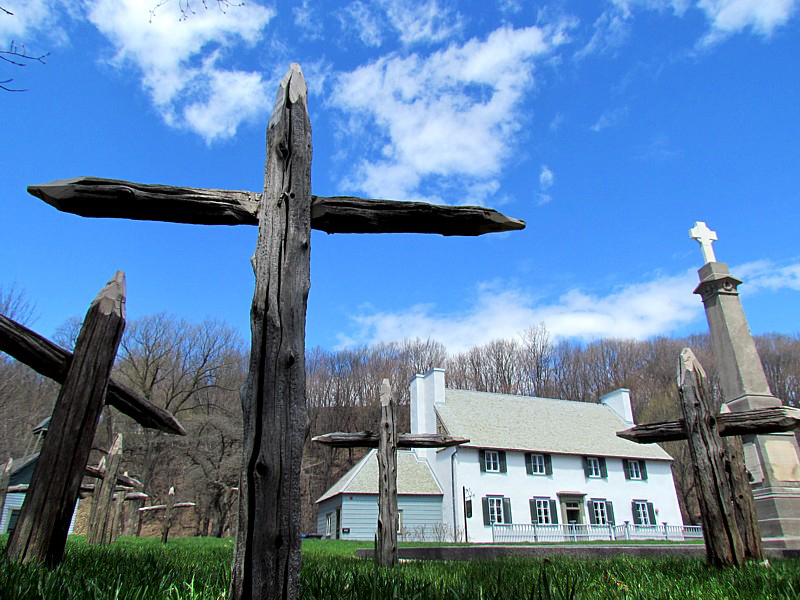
column 568, row 476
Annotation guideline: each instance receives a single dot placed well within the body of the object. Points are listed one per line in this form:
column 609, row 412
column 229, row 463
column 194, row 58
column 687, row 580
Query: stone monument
column 773, row 460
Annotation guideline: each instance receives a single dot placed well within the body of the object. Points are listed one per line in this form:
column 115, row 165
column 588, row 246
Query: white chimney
column 620, row 402
column 426, row 390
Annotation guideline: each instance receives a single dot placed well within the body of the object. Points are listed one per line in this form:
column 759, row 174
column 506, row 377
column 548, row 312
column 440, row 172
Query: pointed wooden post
column 724, row 546
column 100, row 469
column 165, row 525
column 41, row 532
column 267, row 555
column 387, row 475
column 99, row 525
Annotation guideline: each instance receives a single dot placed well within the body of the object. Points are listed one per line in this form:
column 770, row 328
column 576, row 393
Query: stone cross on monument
column 267, row 555
column 773, row 460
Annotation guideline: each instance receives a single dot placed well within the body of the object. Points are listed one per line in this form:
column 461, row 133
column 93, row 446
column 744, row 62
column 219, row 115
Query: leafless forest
column 195, row 370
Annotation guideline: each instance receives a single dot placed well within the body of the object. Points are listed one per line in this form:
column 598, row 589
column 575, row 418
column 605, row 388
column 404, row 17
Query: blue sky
column 609, row 126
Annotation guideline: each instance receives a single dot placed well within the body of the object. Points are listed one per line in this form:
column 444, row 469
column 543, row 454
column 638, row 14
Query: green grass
column 198, row 569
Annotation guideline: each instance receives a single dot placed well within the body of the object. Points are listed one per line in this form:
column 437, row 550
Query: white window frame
column 594, row 467
column 399, row 521
column 634, row 470
column 543, row 516
column 328, row 524
column 492, row 461
column 600, row 512
column 496, row 510
column 538, row 466
column 644, row 514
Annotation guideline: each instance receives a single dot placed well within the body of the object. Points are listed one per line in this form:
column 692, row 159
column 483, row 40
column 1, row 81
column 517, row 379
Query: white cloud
column 306, row 19
column 182, row 65
column 365, row 20
column 32, row 18
column 732, row 16
column 453, row 113
column 638, row 310
column 609, row 118
column 546, row 177
column 425, row 21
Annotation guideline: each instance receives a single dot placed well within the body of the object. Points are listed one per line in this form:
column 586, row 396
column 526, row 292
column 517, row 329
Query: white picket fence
column 509, row 534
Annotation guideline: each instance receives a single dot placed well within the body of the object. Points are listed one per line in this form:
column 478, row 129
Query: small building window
column 538, row 465
column 643, row 513
column 593, row 467
column 492, row 461
column 543, row 513
column 634, row 472
column 600, row 515
column 400, row 522
column 328, row 524
column 496, row 509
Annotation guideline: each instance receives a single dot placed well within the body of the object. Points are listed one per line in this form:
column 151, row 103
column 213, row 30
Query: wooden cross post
column 99, row 531
column 168, row 507
column 387, row 442
column 267, row 552
column 730, row 523
column 41, row 532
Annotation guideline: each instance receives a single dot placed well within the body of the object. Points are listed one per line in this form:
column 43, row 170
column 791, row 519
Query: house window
column 593, row 467
column 634, row 472
column 328, row 524
column 492, row 461
column 400, row 522
column 600, row 514
column 543, row 516
column 496, row 509
column 537, row 464
column 643, row 513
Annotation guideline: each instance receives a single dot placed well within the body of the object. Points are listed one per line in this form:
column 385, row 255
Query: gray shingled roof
column 414, row 477
column 539, row 425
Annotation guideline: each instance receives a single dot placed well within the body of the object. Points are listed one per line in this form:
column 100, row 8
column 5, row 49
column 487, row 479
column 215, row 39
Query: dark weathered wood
column 101, row 469
column 267, row 554
column 744, row 505
column 761, row 420
column 4, row 477
column 96, row 197
column 41, row 532
column 387, row 481
column 723, row 540
column 23, row 487
column 52, row 361
column 165, row 525
column 368, row 439
column 122, row 478
column 115, row 526
column 99, row 524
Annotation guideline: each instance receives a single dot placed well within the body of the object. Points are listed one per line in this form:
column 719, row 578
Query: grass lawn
column 198, row 568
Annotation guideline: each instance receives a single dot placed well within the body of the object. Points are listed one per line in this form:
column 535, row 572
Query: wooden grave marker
column 267, row 553
column 98, row 531
column 730, row 523
column 387, row 441
column 168, row 507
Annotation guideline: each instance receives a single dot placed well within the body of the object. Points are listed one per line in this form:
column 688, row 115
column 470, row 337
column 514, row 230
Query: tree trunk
column 267, row 554
column 724, row 546
column 387, row 478
column 41, row 532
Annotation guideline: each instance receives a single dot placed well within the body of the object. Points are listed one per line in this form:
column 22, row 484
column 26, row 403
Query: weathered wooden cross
column 267, row 552
column 167, row 508
column 387, row 442
column 727, row 508
column 99, row 529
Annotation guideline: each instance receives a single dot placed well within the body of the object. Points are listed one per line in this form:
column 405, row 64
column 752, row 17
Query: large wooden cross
column 727, row 508
column 387, row 442
column 267, row 552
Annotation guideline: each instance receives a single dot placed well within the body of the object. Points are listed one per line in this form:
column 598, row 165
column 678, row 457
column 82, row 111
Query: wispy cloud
column 425, row 21
column 451, row 114
column 184, row 67
column 732, row 16
column 609, row 118
column 546, row 180
column 307, row 19
column 364, row 18
column 638, row 310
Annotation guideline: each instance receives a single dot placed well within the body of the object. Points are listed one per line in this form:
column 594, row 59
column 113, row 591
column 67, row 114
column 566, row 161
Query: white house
column 551, row 468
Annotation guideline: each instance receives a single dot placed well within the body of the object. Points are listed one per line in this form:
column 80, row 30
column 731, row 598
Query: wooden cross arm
column 96, row 197
column 52, row 361
column 97, row 473
column 164, row 506
column 761, row 420
column 367, row 439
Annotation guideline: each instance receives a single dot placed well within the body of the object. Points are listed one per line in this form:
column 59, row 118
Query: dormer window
column 492, row 461
column 594, row 467
column 635, row 469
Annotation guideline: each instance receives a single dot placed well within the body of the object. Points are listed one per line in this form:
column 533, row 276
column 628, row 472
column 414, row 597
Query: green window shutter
column 586, row 466
column 548, row 465
column 528, row 463
column 503, row 467
column 553, row 512
column 590, row 508
column 507, row 510
column 643, row 468
column 482, row 460
column 485, row 510
column 625, row 468
column 610, row 513
column 651, row 513
column 603, row 472
column 532, row 503
column 635, row 513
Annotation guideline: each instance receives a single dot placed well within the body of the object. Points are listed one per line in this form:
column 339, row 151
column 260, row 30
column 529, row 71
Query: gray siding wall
column 422, row 517
column 328, row 506
column 15, row 501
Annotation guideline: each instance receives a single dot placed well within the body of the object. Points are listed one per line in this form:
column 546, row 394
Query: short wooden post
column 4, row 478
column 116, row 526
column 167, row 515
column 387, row 478
column 99, row 530
column 744, row 505
column 724, row 546
column 41, row 532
